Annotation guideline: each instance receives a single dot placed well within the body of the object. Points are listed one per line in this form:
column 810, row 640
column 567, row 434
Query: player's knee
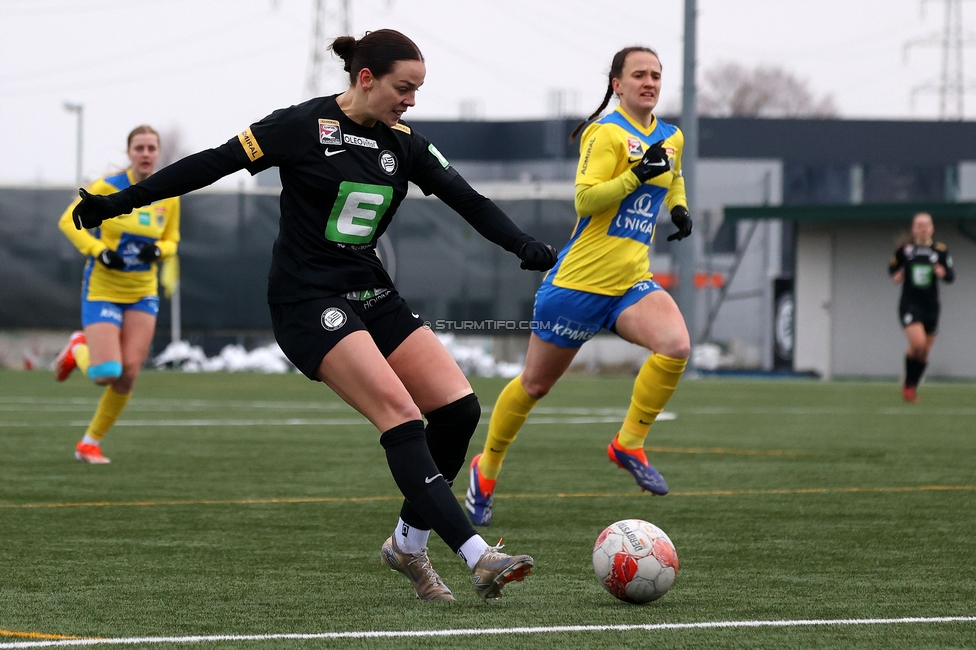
column 535, row 388
column 461, row 415
column 676, row 345
column 918, row 351
column 404, row 410
column 680, row 349
column 124, row 384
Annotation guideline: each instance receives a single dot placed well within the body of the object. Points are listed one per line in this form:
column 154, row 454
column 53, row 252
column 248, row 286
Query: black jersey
column 920, row 286
column 341, row 184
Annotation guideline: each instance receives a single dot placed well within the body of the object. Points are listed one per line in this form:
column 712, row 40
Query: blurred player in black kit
column 918, row 264
column 345, row 161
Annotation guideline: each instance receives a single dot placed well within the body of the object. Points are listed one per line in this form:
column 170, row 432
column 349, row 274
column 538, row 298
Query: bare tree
column 730, row 89
column 171, row 146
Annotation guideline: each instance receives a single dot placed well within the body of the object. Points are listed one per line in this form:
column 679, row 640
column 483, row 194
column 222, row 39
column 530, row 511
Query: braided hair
column 616, row 71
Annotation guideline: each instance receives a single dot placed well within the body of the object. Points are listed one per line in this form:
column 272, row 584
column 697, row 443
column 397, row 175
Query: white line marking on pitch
column 476, row 632
column 313, row 422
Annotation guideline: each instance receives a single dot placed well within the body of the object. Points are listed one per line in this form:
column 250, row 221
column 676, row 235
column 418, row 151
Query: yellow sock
column 108, row 411
column 82, row 357
column 508, row 416
column 655, row 383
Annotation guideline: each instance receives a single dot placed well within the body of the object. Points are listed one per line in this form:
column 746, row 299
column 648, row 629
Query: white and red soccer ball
column 635, row 561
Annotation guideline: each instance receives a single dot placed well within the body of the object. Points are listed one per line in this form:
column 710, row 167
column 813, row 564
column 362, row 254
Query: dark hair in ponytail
column 616, row 71
column 378, row 51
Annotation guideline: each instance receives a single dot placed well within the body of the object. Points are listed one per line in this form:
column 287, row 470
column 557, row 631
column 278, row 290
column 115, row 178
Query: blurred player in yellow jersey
column 630, row 163
column 119, row 292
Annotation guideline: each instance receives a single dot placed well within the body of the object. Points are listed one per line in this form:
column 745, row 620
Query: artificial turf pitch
column 245, row 504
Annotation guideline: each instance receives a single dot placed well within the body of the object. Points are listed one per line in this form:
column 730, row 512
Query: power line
column 952, row 85
column 330, row 19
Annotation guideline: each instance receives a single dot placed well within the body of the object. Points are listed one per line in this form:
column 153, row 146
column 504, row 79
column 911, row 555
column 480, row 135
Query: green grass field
column 247, row 504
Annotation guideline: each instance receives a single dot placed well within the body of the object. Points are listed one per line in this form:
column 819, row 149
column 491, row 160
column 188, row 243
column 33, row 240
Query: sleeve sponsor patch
column 329, row 132
column 401, row 127
column 251, row 147
column 437, row 154
column 586, row 156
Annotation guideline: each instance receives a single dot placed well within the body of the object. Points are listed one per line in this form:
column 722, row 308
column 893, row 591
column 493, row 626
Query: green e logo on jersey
column 357, row 211
column 922, row 275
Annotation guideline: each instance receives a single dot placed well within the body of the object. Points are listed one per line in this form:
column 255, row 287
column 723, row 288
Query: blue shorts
column 568, row 318
column 103, row 311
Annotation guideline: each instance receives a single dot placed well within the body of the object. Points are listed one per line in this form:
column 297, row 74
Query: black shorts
column 308, row 330
column 927, row 315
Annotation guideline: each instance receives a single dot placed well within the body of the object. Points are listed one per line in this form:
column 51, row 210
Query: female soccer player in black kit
column 917, row 265
column 345, row 161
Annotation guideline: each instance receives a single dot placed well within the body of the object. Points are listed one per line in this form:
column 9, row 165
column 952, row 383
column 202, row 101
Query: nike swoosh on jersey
column 329, row 152
column 431, row 479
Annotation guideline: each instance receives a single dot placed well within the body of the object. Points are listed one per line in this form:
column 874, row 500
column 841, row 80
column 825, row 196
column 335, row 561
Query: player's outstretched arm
column 190, row 173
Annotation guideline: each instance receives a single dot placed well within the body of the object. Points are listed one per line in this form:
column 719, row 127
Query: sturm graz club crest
column 388, row 162
column 333, row 318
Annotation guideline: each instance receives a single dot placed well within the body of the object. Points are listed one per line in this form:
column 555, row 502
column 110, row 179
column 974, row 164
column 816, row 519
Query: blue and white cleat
column 480, row 496
column 635, row 462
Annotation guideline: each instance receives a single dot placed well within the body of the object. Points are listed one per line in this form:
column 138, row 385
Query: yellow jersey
column 157, row 223
column 617, row 214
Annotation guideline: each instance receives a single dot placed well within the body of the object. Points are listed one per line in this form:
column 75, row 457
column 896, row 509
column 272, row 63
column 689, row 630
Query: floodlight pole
column 684, row 251
column 176, row 316
column 79, row 110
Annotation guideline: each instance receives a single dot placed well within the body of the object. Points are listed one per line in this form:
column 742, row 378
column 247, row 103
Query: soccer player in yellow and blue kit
column 119, row 294
column 630, row 164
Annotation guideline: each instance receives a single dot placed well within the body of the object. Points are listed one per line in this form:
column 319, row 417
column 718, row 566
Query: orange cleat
column 90, row 454
column 909, row 395
column 64, row 363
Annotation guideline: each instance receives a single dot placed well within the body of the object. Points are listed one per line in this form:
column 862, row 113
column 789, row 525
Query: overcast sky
column 208, row 68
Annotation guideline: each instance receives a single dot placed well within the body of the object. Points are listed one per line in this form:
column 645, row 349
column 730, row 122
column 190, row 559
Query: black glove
column 654, row 163
column 537, row 256
column 682, row 221
column 111, row 259
column 149, row 253
column 96, row 208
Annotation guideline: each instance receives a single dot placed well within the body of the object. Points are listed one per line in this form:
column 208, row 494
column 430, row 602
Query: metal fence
column 447, row 272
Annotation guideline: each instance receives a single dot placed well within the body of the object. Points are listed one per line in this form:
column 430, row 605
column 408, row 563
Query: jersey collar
column 649, row 130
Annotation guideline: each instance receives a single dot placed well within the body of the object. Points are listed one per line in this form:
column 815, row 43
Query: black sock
column 921, row 371
column 913, row 371
column 423, row 485
column 449, row 430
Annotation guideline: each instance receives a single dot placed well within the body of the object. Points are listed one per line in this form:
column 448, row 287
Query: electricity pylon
column 330, row 19
column 952, row 85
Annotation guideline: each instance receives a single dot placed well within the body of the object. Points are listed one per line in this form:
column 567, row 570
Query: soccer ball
column 635, row 561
